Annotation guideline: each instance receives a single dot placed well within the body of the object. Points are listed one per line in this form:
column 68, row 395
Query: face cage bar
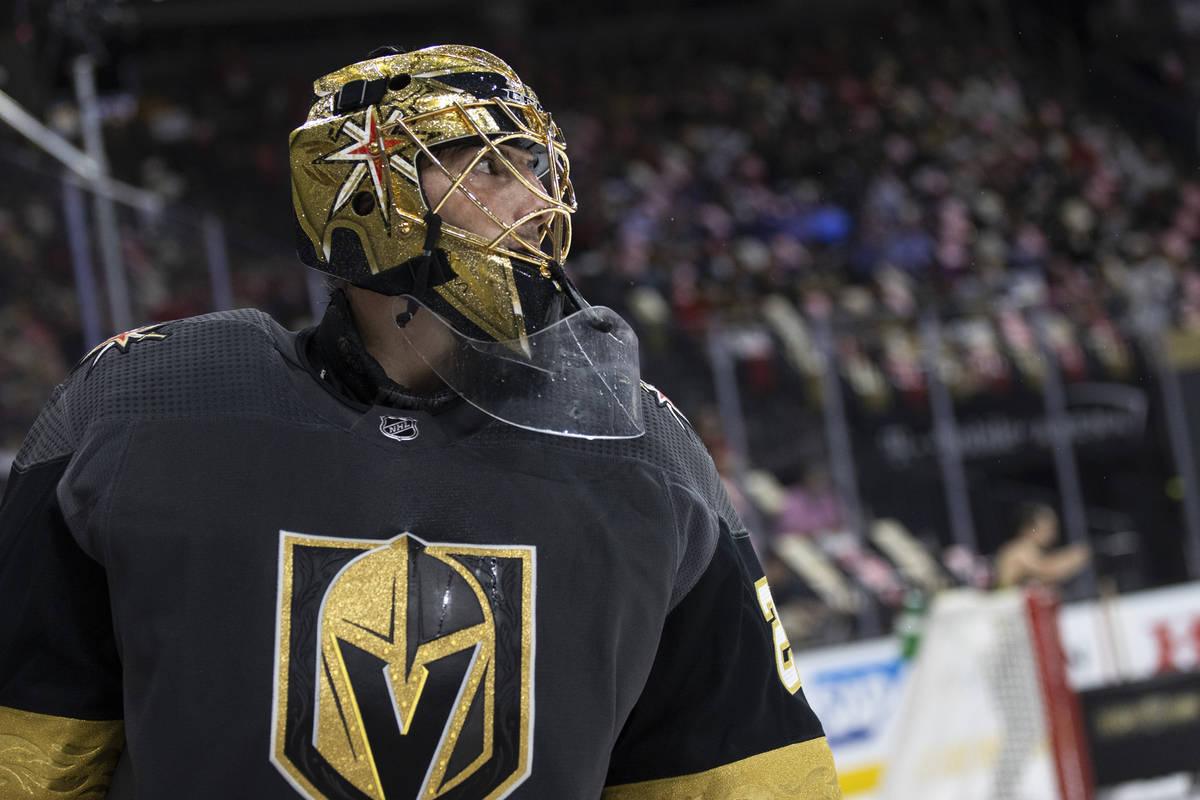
column 560, row 207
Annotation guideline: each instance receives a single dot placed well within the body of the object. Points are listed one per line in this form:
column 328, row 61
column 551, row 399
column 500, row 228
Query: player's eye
column 487, row 166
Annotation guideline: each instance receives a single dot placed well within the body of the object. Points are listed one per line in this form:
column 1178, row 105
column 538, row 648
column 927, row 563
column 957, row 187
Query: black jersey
column 222, row 578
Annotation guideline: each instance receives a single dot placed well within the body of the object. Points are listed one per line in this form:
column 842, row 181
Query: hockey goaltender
column 445, row 544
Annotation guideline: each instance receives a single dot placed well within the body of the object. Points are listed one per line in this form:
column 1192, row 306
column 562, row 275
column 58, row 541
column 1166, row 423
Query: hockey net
column 987, row 712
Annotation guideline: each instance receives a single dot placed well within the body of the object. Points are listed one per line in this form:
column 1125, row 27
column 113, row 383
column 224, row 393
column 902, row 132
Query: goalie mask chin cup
column 362, row 215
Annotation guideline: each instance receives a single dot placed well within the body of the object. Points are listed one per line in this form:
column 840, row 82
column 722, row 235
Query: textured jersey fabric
column 270, row 590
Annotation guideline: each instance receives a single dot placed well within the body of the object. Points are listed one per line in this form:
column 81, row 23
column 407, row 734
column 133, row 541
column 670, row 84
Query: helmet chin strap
column 559, row 274
column 425, row 264
column 433, row 229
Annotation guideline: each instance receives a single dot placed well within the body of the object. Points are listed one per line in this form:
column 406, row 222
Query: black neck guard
column 339, row 357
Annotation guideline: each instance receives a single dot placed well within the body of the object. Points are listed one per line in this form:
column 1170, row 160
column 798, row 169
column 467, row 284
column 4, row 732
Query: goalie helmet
column 516, row 339
column 362, row 213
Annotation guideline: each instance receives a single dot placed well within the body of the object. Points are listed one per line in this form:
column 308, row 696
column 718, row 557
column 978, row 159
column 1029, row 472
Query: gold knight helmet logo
column 404, row 669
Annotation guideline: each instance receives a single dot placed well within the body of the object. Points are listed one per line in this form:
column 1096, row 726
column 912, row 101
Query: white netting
column 972, row 724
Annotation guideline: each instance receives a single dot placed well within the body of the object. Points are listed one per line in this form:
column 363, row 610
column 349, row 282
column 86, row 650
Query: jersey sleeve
column 723, row 711
column 60, row 698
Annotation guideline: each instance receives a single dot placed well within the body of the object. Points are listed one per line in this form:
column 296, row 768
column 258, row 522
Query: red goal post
column 1068, row 739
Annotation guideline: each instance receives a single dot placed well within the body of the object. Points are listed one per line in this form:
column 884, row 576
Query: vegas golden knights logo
column 404, row 669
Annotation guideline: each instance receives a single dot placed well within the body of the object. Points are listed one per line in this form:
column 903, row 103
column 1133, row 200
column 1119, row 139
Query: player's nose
column 532, row 213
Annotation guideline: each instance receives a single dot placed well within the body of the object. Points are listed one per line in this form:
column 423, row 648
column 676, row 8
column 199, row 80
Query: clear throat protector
column 577, row 376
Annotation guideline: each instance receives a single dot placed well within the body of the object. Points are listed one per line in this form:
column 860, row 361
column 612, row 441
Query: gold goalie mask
column 383, row 130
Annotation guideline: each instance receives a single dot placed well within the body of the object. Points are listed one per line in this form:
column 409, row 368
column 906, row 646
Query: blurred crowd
column 755, row 190
column 873, row 182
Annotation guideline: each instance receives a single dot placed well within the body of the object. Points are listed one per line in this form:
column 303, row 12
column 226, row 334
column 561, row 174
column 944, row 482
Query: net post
column 1064, row 716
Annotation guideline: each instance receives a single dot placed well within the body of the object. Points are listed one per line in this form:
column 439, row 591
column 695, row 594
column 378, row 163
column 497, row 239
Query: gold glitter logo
column 403, row 668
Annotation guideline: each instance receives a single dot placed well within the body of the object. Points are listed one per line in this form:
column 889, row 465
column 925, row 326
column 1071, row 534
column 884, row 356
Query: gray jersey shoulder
column 229, row 362
column 672, row 451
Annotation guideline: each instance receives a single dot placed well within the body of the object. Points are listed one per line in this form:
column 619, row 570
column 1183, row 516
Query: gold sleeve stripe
column 800, row 770
column 44, row 757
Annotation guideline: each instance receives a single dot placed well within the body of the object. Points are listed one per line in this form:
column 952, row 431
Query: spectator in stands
column 811, row 506
column 1027, row 557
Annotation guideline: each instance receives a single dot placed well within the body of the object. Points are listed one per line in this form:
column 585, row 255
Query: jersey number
column 783, row 648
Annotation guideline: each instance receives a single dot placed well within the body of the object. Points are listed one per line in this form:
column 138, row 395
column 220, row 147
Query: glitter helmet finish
column 363, row 216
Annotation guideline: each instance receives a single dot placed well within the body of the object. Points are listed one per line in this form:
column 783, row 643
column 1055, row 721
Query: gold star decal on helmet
column 370, row 148
column 122, row 341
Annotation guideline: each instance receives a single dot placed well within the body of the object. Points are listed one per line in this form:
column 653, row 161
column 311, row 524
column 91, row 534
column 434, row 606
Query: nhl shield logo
column 403, row 669
column 402, row 429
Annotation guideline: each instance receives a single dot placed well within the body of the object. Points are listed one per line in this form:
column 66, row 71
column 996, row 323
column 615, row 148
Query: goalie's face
column 494, row 192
